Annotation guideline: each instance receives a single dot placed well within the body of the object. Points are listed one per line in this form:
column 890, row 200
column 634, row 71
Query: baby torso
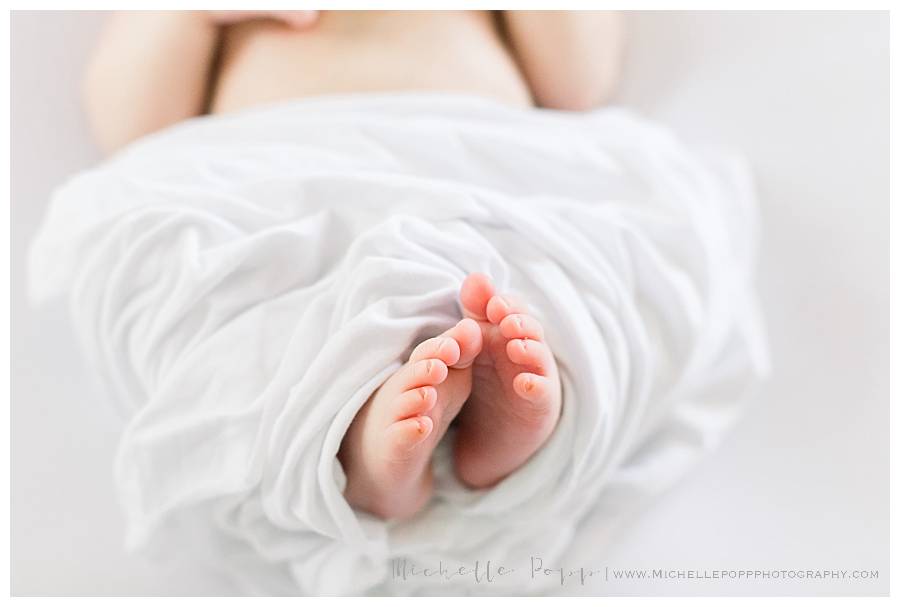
column 349, row 51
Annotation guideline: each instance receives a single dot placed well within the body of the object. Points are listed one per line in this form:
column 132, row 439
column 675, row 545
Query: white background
column 802, row 482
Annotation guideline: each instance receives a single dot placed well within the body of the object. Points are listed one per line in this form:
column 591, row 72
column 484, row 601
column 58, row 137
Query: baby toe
column 477, row 289
column 531, row 387
column 442, row 347
column 529, row 353
column 468, row 335
column 521, row 326
column 402, row 436
column 499, row 307
column 428, row 372
column 417, row 401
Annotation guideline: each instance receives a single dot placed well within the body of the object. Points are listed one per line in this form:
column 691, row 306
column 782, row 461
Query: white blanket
column 245, row 282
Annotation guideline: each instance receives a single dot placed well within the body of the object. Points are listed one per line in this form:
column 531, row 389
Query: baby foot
column 516, row 396
column 386, row 453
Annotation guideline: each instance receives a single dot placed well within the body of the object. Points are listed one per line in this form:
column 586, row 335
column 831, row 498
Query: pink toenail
column 421, row 424
column 424, row 393
column 518, row 321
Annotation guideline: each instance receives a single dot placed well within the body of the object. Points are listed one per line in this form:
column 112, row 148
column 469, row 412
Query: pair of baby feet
column 499, row 350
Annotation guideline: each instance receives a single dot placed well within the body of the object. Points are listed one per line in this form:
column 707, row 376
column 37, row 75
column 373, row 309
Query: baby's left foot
column 386, row 453
column 516, row 395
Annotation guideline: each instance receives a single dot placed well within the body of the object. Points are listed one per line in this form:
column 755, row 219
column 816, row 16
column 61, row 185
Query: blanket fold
column 245, row 282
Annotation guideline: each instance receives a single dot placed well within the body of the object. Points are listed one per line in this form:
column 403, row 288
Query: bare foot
column 386, row 452
column 516, row 395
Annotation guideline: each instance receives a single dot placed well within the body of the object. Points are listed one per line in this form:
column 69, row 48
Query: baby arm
column 149, row 70
column 571, row 59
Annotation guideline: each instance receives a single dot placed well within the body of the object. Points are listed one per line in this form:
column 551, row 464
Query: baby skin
column 492, row 372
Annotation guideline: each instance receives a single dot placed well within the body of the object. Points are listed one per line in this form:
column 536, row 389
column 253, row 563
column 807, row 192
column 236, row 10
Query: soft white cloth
column 245, row 282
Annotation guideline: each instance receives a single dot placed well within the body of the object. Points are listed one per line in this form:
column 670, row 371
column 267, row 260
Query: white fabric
column 244, row 283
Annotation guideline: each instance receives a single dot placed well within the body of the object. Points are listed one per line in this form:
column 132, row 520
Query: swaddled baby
column 493, row 374
column 408, row 316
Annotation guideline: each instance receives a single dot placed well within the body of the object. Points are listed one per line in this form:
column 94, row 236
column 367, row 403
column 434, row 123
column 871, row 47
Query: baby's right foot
column 386, row 452
column 516, row 400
